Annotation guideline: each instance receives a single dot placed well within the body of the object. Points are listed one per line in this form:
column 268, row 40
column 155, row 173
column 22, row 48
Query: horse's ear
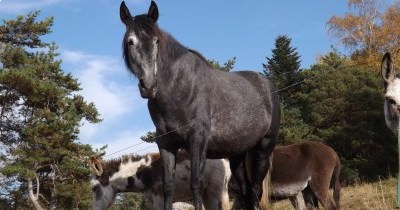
column 387, row 69
column 153, row 11
column 95, row 166
column 124, row 13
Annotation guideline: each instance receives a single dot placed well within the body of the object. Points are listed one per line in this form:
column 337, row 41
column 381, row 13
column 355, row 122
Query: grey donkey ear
column 95, row 166
column 387, row 68
column 153, row 11
column 124, row 13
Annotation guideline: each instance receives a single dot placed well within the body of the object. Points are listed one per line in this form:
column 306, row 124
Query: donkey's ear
column 148, row 160
column 153, row 11
column 387, row 69
column 124, row 13
column 95, row 166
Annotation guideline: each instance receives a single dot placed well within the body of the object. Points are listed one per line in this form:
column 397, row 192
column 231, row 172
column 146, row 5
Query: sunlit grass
column 379, row 195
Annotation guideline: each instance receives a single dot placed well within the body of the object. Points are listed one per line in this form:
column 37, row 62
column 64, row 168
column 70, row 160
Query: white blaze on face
column 391, row 108
column 133, row 38
column 393, row 91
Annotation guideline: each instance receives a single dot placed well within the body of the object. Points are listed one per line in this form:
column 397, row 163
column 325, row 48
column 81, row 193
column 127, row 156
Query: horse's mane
column 201, row 57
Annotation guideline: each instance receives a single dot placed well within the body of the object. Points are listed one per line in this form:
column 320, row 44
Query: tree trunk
column 34, row 198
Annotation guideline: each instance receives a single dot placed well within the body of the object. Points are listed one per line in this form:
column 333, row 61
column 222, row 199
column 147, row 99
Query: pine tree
column 284, row 66
column 228, row 65
column 341, row 103
column 40, row 116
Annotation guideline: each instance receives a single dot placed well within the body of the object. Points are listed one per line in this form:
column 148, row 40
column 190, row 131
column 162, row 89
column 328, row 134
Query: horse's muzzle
column 147, row 92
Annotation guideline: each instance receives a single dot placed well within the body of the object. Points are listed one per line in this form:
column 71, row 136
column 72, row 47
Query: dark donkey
column 305, row 170
column 210, row 113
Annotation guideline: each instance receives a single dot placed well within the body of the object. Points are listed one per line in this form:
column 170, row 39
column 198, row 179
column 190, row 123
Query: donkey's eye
column 391, row 101
column 130, row 42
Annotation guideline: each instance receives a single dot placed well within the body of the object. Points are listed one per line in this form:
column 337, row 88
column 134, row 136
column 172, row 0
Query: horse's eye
column 130, row 42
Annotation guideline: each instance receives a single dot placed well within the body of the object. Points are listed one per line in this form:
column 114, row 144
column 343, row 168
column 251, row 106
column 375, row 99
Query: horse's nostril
column 141, row 83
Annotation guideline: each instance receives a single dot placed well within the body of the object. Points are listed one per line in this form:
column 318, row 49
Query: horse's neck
column 181, row 69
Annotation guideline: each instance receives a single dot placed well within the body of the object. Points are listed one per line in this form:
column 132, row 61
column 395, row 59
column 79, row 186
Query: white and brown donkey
column 144, row 174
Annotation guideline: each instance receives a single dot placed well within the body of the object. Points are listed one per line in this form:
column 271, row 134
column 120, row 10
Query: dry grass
column 365, row 196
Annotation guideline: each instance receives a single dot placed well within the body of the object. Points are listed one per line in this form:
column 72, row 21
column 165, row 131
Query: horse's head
column 140, row 47
column 392, row 93
column 113, row 176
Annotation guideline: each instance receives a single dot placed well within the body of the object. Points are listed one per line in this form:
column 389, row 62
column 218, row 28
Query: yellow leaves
column 367, row 31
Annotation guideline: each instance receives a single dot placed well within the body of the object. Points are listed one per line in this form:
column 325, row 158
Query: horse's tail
column 264, row 201
column 336, row 183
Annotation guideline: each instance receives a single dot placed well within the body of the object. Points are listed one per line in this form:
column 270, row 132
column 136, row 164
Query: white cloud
column 106, row 82
column 19, row 6
column 98, row 76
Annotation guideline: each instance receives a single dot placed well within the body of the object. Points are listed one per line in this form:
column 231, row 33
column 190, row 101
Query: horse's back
column 243, row 108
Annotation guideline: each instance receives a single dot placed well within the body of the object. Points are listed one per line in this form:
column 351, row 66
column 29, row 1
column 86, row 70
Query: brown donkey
column 307, row 168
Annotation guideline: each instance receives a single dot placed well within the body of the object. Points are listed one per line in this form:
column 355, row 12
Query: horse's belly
column 231, row 145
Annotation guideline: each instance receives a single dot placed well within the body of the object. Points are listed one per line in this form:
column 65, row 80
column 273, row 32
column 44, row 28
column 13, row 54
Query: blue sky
column 89, row 34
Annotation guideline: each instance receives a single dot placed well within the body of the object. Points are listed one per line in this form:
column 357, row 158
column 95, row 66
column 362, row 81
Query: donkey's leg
column 320, row 186
column 239, row 174
column 198, row 153
column 209, row 199
column 310, row 199
column 168, row 155
column 154, row 200
column 298, row 201
column 259, row 165
column 216, row 196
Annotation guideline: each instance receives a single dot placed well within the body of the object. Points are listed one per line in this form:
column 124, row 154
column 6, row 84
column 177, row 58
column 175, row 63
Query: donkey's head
column 140, row 47
column 392, row 93
column 113, row 176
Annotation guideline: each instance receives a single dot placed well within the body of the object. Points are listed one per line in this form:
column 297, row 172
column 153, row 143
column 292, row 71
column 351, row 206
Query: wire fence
column 218, row 114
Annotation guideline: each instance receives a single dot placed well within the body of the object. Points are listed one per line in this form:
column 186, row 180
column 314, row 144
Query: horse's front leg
column 168, row 155
column 198, row 152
